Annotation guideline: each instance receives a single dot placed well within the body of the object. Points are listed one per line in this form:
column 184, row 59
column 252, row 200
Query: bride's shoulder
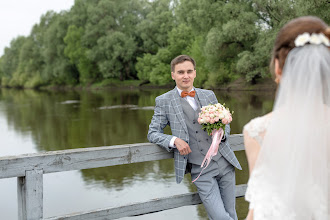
column 257, row 125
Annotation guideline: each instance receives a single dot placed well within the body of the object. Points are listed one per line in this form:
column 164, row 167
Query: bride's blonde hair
column 284, row 42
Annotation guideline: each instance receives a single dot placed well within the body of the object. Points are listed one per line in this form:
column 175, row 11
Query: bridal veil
column 291, row 177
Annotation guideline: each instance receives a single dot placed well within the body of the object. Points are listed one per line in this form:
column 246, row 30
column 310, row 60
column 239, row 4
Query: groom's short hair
column 181, row 59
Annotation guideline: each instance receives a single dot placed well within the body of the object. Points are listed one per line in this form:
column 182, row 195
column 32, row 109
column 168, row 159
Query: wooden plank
column 141, row 208
column 86, row 158
column 30, row 195
column 236, row 142
column 21, row 195
column 34, row 194
column 83, row 158
column 240, row 190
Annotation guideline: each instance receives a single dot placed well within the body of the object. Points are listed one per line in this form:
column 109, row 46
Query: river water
column 38, row 121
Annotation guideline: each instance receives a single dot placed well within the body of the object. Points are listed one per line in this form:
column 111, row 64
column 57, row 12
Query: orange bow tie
column 184, row 93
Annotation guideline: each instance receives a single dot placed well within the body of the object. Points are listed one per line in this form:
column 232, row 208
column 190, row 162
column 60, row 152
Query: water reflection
column 57, row 120
column 118, row 176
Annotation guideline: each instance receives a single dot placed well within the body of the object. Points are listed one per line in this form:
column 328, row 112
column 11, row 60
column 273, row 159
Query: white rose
column 315, row 39
column 302, row 39
column 324, row 40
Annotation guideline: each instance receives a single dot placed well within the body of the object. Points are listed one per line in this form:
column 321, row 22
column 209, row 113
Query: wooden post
column 30, row 195
column 21, row 198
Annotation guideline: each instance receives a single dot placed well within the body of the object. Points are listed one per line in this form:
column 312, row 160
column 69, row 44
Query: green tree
column 1, row 72
column 156, row 68
column 76, row 52
column 58, row 68
column 30, row 64
column 253, row 62
column 272, row 15
column 318, row 8
column 110, row 23
column 102, row 39
column 195, row 50
column 153, row 29
column 78, row 13
column 118, row 55
column 200, row 15
column 234, row 32
column 10, row 62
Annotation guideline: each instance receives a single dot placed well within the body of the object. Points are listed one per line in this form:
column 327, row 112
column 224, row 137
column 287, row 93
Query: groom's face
column 184, row 75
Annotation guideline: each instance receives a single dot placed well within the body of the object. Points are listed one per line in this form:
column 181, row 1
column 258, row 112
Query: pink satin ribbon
column 213, row 150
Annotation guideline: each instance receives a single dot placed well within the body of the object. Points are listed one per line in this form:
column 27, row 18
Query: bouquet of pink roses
column 213, row 119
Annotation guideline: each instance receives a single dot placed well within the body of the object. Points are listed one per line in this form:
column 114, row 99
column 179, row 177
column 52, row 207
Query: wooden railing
column 29, row 170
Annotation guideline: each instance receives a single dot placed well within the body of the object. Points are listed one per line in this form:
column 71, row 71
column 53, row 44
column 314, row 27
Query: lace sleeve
column 256, row 128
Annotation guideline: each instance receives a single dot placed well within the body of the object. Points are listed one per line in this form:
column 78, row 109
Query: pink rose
column 225, row 121
column 212, row 121
column 228, row 117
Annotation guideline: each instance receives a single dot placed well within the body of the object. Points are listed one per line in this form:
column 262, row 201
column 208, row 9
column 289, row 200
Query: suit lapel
column 201, row 97
column 176, row 103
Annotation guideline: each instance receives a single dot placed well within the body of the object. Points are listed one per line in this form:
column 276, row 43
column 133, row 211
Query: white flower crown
column 316, row 39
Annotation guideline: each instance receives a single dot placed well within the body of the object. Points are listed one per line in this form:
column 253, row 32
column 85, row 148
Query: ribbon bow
column 184, row 93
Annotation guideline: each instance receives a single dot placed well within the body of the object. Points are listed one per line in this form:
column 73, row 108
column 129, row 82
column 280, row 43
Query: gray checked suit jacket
column 168, row 111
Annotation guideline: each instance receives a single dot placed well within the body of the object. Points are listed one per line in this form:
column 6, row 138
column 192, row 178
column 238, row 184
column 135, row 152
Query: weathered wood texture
column 85, row 158
column 30, row 195
column 29, row 169
column 21, row 198
column 135, row 209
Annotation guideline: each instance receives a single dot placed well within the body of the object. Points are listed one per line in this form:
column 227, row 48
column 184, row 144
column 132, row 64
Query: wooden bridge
column 29, row 170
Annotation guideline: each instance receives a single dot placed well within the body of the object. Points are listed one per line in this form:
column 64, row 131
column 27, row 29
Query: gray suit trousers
column 216, row 188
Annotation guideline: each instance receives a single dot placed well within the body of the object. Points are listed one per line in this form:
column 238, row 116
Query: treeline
column 105, row 40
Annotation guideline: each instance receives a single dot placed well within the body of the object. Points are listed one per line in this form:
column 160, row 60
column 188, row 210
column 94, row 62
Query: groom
column 179, row 109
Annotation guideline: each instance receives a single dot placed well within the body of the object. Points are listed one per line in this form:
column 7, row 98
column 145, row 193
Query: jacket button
column 196, row 132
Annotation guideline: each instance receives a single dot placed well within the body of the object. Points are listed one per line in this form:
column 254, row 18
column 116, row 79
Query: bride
column 288, row 150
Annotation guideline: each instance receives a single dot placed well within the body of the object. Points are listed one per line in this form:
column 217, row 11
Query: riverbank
column 240, row 84
column 267, row 84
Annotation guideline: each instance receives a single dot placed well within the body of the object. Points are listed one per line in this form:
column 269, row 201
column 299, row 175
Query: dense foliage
column 104, row 40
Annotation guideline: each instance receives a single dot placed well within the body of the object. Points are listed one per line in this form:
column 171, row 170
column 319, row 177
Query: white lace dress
column 256, row 129
column 264, row 199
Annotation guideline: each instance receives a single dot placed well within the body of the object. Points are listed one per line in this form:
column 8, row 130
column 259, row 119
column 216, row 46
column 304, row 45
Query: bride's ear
column 278, row 71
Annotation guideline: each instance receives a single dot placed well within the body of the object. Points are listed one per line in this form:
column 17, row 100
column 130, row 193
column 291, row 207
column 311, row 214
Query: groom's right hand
column 182, row 146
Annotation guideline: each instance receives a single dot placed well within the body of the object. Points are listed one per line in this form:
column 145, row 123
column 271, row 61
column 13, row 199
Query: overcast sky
column 17, row 17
